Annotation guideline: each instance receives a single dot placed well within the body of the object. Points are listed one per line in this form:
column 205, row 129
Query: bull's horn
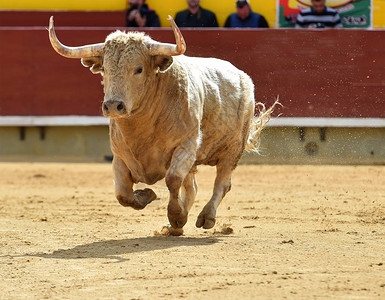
column 157, row 48
column 73, row 52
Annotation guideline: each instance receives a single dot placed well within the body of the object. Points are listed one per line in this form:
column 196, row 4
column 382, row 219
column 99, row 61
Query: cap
column 242, row 3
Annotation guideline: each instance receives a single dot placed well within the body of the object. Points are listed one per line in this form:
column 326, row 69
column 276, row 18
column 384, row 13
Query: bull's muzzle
column 113, row 108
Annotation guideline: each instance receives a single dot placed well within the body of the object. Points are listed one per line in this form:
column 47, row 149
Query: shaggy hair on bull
column 119, row 36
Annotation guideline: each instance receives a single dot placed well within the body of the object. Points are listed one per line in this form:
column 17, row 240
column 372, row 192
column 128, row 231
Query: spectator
column 245, row 17
column 318, row 16
column 195, row 16
column 140, row 15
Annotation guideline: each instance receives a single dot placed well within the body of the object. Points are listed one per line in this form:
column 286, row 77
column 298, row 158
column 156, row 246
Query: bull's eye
column 139, row 70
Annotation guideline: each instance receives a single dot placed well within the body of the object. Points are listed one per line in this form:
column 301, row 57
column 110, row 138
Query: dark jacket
column 203, row 18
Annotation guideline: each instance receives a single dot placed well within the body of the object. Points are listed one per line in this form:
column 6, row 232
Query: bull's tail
column 259, row 122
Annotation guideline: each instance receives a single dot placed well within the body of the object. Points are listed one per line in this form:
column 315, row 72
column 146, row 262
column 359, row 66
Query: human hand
column 133, row 15
column 140, row 19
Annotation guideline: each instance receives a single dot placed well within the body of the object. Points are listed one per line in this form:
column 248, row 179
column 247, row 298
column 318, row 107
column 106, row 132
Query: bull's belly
column 150, row 178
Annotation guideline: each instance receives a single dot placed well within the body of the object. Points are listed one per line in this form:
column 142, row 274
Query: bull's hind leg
column 222, row 185
column 124, row 187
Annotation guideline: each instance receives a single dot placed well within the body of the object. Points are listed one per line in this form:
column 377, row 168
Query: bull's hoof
column 205, row 222
column 176, row 216
column 205, row 219
column 177, row 221
column 140, row 200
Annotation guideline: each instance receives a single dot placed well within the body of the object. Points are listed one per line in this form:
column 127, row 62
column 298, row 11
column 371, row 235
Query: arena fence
column 330, row 83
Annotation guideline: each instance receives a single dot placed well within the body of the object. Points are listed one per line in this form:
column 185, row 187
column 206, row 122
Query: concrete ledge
column 9, row 121
column 279, row 144
column 27, row 121
column 327, row 122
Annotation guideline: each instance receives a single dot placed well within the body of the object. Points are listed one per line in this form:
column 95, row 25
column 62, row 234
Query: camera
column 143, row 10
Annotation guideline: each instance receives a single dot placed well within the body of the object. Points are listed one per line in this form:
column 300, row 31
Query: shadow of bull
column 114, row 249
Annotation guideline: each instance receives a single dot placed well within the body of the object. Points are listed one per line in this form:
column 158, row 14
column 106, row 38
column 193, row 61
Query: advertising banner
column 354, row 13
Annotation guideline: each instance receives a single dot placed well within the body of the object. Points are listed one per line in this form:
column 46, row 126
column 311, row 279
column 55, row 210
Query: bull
column 168, row 114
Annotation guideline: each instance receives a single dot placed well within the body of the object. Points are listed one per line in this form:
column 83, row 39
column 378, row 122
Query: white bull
column 170, row 113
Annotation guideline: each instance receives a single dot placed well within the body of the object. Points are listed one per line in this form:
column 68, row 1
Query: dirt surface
column 297, row 232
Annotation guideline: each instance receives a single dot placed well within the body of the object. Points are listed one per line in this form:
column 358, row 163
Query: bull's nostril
column 105, row 106
column 120, row 107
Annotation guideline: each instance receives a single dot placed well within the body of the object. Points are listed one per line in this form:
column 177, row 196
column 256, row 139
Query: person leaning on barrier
column 140, row 15
column 245, row 17
column 196, row 16
column 318, row 16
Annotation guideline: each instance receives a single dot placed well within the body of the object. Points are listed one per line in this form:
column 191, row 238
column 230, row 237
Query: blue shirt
column 254, row 20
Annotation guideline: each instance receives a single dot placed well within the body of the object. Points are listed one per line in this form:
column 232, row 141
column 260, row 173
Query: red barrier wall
column 319, row 73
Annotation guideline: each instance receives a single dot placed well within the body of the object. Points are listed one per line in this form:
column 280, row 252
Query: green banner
column 353, row 13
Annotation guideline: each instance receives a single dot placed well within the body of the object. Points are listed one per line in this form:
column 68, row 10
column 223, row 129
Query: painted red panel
column 320, row 73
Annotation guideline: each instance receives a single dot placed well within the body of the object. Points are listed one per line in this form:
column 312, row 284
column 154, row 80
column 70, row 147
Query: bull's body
column 203, row 102
column 169, row 114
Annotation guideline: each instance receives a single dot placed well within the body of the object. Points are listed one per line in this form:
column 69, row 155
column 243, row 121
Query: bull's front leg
column 124, row 187
column 181, row 171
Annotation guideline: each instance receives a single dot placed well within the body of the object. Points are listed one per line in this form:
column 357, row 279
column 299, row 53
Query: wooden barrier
column 316, row 73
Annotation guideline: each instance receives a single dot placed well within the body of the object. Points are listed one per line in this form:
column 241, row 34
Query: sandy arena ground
column 299, row 232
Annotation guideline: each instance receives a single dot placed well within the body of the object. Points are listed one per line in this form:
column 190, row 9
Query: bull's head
column 129, row 63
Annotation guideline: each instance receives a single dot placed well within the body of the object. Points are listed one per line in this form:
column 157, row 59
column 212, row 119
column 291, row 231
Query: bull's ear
column 95, row 63
column 163, row 62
